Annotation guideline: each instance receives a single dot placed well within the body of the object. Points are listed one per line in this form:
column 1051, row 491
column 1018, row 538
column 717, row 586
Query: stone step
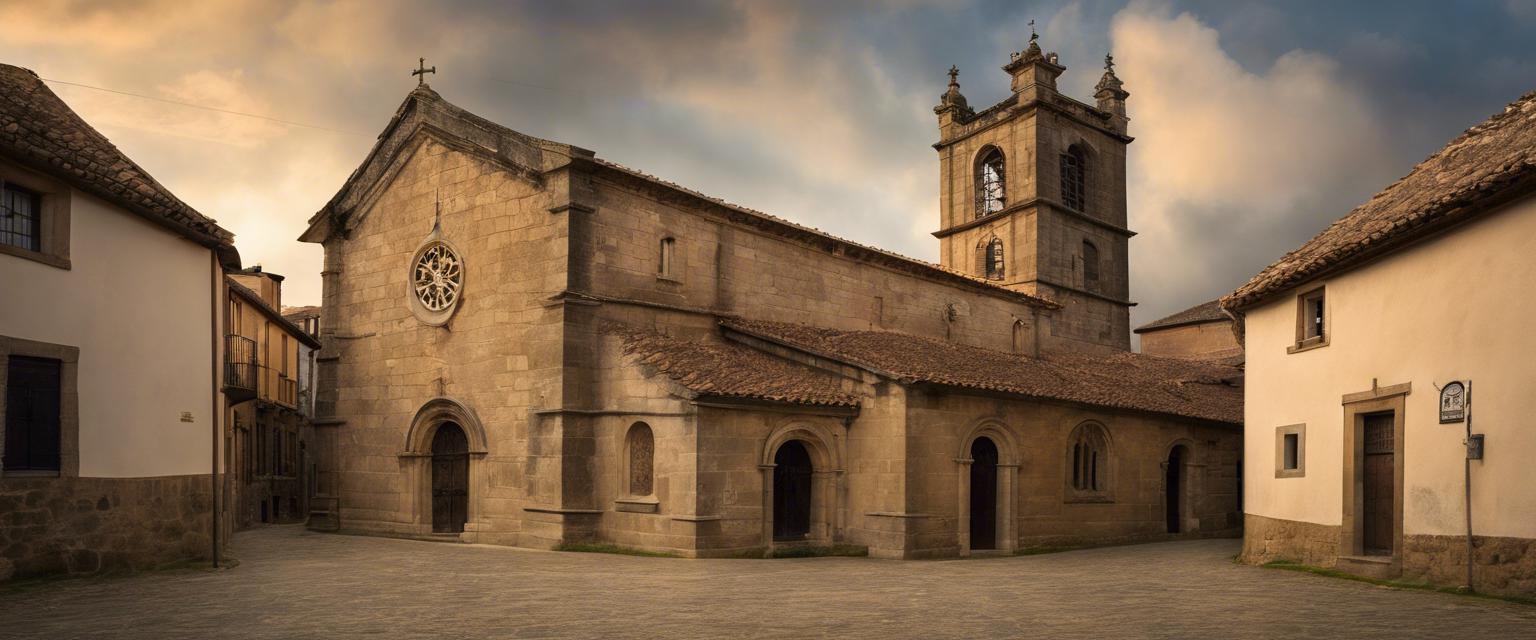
column 1379, row 567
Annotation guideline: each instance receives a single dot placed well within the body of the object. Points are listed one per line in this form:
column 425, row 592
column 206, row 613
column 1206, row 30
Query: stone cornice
column 1032, row 202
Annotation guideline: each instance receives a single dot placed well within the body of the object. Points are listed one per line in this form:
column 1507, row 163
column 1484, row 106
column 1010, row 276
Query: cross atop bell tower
column 1032, row 197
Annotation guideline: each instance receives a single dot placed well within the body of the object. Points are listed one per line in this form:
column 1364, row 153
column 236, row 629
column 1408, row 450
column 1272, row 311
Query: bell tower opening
column 1044, row 174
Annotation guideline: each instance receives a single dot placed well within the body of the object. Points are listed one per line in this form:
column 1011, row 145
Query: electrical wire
column 205, row 107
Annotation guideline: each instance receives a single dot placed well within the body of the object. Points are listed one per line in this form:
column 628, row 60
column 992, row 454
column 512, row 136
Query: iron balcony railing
column 242, row 369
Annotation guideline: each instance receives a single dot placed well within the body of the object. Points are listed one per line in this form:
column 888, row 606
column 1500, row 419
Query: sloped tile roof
column 710, row 368
column 1206, row 312
column 41, row 132
column 1133, row 381
column 1450, row 186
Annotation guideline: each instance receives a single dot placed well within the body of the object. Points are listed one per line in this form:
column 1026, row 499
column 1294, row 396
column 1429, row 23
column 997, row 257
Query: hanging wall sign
column 1453, row 402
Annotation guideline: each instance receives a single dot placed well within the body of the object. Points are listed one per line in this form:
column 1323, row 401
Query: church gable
column 426, row 116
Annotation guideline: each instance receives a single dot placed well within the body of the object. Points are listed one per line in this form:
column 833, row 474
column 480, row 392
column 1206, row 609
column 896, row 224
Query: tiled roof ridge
column 1209, row 311
column 1456, row 203
column 1131, row 381
column 729, row 370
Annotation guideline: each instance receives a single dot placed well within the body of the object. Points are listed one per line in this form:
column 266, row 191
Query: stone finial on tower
column 1111, row 95
column 952, row 101
column 1033, row 67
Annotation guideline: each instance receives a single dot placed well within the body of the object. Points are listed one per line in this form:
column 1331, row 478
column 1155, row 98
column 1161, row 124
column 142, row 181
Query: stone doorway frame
column 1356, row 407
column 1191, row 484
column 416, row 463
column 828, row 482
column 1007, row 485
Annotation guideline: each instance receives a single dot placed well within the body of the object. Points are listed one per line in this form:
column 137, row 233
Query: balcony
column 242, row 370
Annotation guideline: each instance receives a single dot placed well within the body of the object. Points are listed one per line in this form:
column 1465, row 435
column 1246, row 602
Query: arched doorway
column 791, row 492
column 450, row 479
column 1173, row 487
column 983, row 494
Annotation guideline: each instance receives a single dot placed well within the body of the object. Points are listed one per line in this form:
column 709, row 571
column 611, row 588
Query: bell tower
column 1032, row 197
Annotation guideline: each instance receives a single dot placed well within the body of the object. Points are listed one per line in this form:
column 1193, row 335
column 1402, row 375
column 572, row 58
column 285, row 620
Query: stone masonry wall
column 84, row 525
column 1266, row 539
column 1132, row 508
column 500, row 354
column 735, row 269
column 1504, row 566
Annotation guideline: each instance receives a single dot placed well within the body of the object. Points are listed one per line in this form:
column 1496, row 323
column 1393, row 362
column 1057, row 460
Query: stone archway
column 987, row 471
column 805, row 459
column 1181, row 487
column 442, row 424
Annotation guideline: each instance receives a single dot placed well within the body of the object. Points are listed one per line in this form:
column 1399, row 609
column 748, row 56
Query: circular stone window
column 437, row 281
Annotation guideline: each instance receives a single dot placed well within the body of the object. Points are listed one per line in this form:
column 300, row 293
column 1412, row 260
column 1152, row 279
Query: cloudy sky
column 1256, row 123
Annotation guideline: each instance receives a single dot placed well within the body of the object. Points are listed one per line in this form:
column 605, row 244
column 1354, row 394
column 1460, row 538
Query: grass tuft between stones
column 1288, row 565
column 589, row 547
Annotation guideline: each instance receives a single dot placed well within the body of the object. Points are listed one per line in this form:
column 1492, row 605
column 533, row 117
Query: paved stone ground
column 295, row 584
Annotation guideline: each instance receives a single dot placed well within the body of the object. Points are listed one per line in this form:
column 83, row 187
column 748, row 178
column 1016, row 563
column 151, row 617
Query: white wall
column 1461, row 306
column 136, row 303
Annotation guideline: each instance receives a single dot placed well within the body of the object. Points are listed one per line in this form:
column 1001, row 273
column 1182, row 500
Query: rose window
column 437, row 277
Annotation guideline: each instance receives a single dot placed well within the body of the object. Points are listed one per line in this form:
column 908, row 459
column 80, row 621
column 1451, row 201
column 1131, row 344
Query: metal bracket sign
column 1453, row 402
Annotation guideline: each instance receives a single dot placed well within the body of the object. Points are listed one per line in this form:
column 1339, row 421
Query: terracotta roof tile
column 710, row 368
column 1194, row 389
column 1447, row 187
column 38, row 130
column 1207, row 312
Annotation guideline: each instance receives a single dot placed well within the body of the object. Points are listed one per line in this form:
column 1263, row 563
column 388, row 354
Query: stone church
column 526, row 344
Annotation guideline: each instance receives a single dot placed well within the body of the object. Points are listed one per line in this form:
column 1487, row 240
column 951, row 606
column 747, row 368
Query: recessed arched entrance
column 983, row 494
column 1173, row 487
column 791, row 491
column 450, row 479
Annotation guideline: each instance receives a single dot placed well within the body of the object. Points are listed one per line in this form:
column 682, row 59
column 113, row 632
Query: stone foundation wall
column 1267, row 539
column 1499, row 565
column 84, row 525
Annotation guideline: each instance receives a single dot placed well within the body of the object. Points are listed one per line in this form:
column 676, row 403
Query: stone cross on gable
column 422, row 70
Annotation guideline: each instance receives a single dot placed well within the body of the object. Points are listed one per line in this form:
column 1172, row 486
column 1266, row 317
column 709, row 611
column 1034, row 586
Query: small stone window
column 1090, row 262
column 667, row 262
column 992, row 260
column 21, row 217
column 1089, row 460
column 1311, row 320
column 34, row 218
column 641, row 445
column 1074, row 177
column 1291, row 451
column 991, row 183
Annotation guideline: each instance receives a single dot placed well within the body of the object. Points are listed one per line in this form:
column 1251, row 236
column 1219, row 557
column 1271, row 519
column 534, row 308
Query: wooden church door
column 983, row 494
column 791, row 492
column 450, row 479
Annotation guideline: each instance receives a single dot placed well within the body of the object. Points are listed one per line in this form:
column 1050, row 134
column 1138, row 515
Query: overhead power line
column 205, row 107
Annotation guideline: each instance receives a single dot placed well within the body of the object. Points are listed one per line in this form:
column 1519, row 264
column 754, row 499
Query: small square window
column 1311, row 321
column 1290, row 451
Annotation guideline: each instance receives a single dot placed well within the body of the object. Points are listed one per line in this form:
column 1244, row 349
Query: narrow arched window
column 667, row 267
column 994, row 258
column 1074, row 176
column 991, row 183
column 1089, row 460
column 1090, row 262
column 642, row 459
